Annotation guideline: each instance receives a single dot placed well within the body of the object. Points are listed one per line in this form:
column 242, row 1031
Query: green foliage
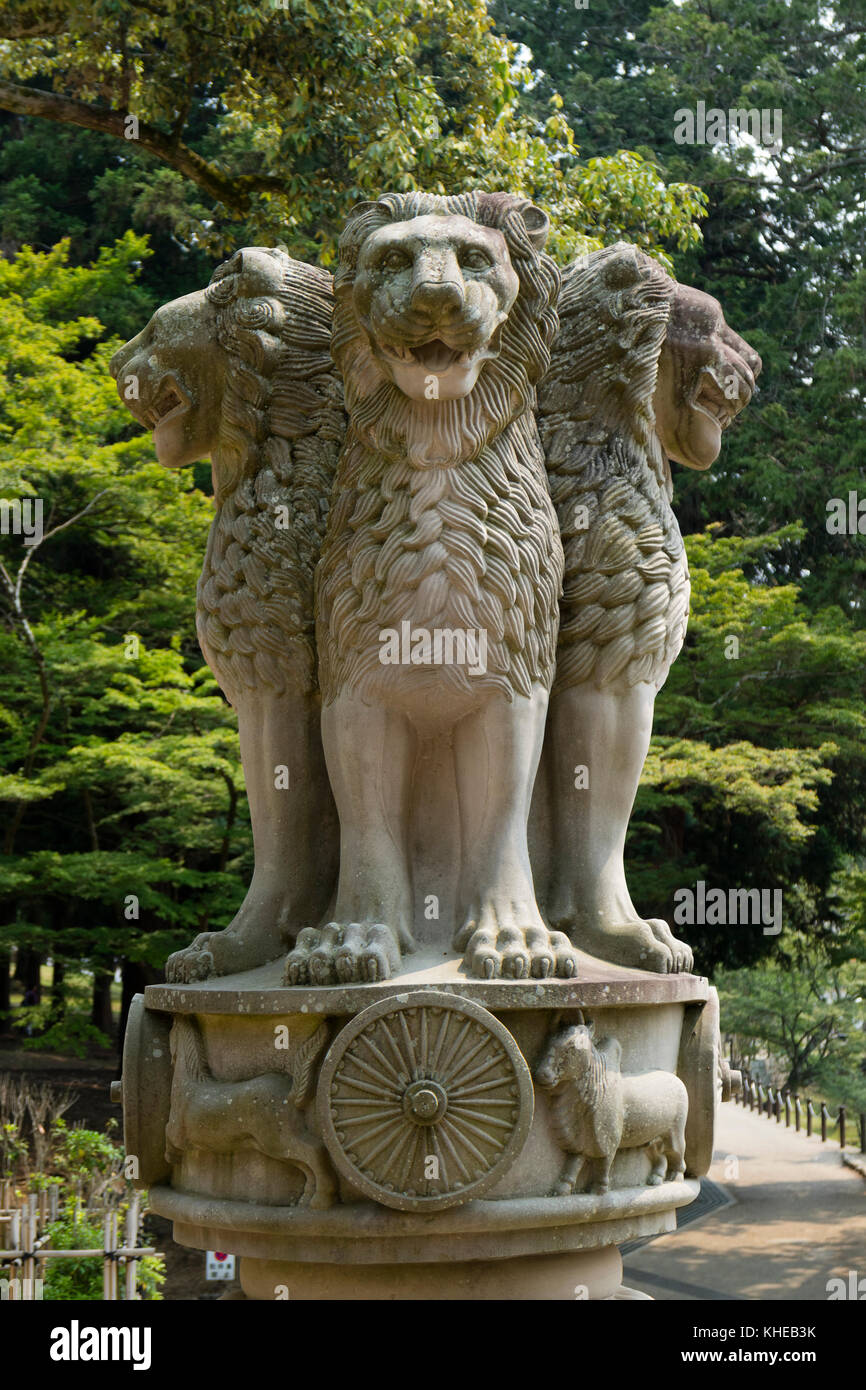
column 70, row 1034
column 81, row 1280
column 758, row 755
column 74, row 1280
column 270, row 121
column 79, row 1152
column 125, row 824
column 808, row 1015
column 120, row 775
column 782, row 244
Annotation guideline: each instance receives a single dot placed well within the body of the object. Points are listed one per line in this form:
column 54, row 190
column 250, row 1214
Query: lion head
column 444, row 320
column 241, row 373
column 213, row 373
column 644, row 371
column 645, row 360
column 706, row 376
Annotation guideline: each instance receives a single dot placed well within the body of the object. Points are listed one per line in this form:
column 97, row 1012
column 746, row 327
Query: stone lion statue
column 441, row 525
column 241, row 373
column 644, row 371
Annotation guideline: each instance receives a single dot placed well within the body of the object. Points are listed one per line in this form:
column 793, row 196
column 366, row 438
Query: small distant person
column 29, row 1001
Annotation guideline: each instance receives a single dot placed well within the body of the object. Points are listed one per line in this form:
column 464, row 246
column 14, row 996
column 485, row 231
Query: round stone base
column 589, row 1274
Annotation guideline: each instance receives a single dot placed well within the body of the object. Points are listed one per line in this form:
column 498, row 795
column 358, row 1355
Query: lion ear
column 537, row 225
column 360, row 208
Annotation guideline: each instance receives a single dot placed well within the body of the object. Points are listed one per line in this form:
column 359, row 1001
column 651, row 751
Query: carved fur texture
column 281, row 430
column 441, row 512
column 626, row 589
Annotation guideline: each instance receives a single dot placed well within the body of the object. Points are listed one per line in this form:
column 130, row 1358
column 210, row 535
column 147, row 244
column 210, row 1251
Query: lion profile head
column 445, row 315
column 645, row 361
column 241, row 373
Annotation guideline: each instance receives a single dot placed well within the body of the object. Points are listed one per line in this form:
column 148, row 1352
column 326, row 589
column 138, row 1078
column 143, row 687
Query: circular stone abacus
column 425, row 1101
column 709, row 1080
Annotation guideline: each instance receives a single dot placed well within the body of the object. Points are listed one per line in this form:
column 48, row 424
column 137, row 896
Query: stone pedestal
column 410, row 1139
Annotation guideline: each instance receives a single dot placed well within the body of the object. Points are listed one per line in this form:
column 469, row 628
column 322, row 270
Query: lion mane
column 441, row 513
column 280, row 432
column 626, row 588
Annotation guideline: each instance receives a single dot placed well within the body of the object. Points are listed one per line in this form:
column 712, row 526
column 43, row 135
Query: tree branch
column 233, row 191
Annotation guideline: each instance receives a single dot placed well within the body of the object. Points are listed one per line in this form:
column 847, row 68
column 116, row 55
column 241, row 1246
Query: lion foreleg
column 496, row 753
column 599, row 741
column 294, row 836
column 370, row 752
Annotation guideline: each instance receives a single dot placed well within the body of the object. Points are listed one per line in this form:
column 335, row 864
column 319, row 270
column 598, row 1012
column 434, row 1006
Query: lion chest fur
column 472, row 546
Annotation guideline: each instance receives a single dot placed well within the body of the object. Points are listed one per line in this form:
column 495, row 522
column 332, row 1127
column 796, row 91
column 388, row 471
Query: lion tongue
column 437, row 356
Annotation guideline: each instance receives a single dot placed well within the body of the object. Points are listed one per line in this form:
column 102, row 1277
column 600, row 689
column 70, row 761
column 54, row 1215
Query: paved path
column 798, row 1218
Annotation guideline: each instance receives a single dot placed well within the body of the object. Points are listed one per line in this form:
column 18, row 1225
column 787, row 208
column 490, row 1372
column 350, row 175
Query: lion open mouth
column 711, row 400
column 169, row 402
column 434, row 356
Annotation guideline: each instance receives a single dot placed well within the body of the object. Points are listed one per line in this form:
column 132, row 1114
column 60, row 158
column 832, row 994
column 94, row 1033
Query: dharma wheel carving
column 425, row 1101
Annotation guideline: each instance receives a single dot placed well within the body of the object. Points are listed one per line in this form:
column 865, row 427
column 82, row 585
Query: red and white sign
column 218, row 1265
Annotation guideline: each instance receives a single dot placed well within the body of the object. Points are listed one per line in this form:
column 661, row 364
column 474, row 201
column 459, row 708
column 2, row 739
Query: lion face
column 706, row 376
column 431, row 294
column 444, row 318
column 171, row 379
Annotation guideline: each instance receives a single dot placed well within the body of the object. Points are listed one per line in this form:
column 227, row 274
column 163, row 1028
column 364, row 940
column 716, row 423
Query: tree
column 808, row 1014
column 124, row 825
column 756, row 773
column 281, row 117
column 782, row 243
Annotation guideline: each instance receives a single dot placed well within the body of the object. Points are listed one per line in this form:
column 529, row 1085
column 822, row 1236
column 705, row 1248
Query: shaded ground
column 797, row 1220
column 91, row 1078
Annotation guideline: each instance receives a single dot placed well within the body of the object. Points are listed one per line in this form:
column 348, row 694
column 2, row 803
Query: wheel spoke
column 410, row 1156
column 370, row 1119
column 461, row 1138
column 377, row 1076
column 410, row 1047
column 443, row 1171
column 405, row 1066
column 482, row 1068
column 347, row 1080
column 482, row 1086
column 457, row 1041
column 397, row 1151
column 462, row 1111
column 394, row 1127
column 465, row 1061
column 443, row 1033
column 444, row 1138
column 399, row 1078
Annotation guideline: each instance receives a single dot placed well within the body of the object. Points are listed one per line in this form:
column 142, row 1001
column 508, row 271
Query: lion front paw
column 194, row 962
column 682, row 955
column 517, row 953
column 338, row 954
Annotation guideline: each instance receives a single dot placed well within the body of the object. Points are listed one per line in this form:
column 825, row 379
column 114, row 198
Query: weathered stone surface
column 436, row 1071
column 643, row 371
column 241, row 373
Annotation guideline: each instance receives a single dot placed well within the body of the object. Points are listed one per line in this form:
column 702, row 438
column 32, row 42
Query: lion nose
column 437, row 297
column 118, row 361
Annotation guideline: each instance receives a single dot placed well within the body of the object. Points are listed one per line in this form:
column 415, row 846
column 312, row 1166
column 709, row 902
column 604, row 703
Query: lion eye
column 475, row 260
column 394, row 260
